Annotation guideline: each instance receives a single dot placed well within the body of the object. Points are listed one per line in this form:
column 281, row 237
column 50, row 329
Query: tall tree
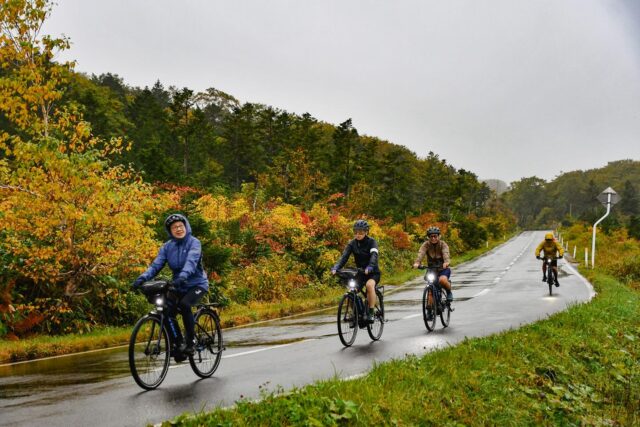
column 345, row 138
column 629, row 199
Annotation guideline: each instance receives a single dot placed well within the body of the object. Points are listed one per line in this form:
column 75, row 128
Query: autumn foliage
column 273, row 208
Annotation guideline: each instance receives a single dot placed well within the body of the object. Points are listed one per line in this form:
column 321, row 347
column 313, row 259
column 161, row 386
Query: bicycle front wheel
column 347, row 320
column 375, row 329
column 550, row 280
column 149, row 352
column 445, row 313
column 429, row 308
column 208, row 348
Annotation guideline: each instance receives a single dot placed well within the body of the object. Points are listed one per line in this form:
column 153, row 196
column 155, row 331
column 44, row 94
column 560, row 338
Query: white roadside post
column 608, row 198
column 586, row 257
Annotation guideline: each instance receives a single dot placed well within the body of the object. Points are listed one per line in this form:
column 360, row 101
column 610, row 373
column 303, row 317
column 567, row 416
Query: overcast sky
column 506, row 89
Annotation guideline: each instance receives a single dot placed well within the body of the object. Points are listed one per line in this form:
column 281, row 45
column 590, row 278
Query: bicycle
column 353, row 306
column 548, row 268
column 150, row 346
column 434, row 300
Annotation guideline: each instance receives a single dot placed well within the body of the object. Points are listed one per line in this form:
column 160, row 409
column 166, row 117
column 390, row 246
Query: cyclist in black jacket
column 365, row 252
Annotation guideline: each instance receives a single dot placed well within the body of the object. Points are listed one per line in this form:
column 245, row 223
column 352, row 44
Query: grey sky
column 505, row 89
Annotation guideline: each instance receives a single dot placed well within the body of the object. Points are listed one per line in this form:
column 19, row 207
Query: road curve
column 498, row 291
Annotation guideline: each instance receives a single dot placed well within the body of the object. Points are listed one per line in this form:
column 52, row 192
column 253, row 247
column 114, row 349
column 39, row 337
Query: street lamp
column 608, row 198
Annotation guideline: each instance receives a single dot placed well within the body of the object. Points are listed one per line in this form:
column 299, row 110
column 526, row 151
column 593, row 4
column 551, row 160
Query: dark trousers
column 181, row 302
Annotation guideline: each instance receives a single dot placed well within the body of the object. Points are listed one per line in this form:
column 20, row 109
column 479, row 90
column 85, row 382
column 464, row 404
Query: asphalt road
column 498, row 291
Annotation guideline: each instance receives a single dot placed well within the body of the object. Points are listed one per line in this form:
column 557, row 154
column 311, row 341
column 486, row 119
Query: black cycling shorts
column 363, row 279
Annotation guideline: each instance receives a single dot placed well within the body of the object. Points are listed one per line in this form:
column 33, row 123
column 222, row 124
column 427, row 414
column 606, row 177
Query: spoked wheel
column 375, row 329
column 429, row 306
column 208, row 348
column 347, row 320
column 445, row 313
column 149, row 352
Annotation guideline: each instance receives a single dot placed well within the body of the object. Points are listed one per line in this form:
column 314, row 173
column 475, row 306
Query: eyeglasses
column 433, row 235
column 177, row 227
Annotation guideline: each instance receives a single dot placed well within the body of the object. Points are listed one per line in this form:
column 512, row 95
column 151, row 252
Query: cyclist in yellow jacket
column 552, row 249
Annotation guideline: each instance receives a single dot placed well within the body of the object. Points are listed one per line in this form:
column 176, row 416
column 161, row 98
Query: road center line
column 411, row 316
column 244, row 353
column 482, row 292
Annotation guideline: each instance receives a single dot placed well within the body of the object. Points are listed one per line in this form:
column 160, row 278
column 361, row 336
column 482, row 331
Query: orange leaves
column 399, row 238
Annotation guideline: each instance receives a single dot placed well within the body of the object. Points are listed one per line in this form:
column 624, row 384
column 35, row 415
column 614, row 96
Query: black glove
column 178, row 283
column 137, row 283
column 538, row 257
column 561, row 256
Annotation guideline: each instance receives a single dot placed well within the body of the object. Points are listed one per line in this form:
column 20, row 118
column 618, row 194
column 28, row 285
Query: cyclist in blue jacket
column 365, row 252
column 183, row 253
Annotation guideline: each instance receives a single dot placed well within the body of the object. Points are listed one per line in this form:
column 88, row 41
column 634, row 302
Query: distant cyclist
column 437, row 253
column 365, row 253
column 183, row 253
column 551, row 249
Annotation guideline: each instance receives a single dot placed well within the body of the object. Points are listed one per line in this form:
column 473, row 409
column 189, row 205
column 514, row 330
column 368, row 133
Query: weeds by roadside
column 577, row 367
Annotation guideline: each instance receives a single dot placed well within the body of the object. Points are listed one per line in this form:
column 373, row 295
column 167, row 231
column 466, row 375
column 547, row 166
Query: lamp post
column 608, row 198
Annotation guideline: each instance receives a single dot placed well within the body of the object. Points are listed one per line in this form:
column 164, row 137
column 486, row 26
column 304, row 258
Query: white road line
column 482, row 292
column 244, row 353
column 411, row 316
column 592, row 292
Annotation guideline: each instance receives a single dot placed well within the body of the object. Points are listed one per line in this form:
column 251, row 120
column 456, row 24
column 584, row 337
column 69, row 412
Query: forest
column 572, row 197
column 89, row 168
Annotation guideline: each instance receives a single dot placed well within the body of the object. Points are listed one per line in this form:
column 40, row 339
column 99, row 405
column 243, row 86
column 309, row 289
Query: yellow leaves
column 90, row 223
column 217, row 209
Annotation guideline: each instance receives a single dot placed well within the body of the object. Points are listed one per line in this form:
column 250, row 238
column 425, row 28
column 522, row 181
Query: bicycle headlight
column 431, row 277
column 548, row 259
column 352, row 284
column 160, row 301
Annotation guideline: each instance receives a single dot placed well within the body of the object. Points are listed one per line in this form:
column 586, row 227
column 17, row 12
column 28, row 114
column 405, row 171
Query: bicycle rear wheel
column 375, row 329
column 429, row 308
column 149, row 352
column 347, row 320
column 208, row 349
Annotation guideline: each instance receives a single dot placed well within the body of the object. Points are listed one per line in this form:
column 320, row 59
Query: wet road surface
column 498, row 291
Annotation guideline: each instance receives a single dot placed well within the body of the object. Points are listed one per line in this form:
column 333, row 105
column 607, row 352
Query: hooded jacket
column 551, row 248
column 184, row 257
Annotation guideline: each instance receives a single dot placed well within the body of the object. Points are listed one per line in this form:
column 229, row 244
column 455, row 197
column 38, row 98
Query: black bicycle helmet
column 433, row 230
column 361, row 224
column 173, row 218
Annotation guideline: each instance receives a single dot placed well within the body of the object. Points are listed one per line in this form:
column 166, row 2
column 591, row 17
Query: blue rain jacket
column 184, row 257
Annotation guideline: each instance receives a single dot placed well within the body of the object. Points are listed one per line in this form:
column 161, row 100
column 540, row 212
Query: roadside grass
column 579, row 367
column 232, row 316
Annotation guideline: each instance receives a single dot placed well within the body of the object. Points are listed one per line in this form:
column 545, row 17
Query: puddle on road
column 26, row 379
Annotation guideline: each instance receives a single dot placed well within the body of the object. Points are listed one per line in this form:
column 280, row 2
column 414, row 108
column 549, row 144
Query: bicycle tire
column 208, row 347
column 347, row 320
column 445, row 313
column 430, row 324
column 550, row 279
column 375, row 329
column 149, row 352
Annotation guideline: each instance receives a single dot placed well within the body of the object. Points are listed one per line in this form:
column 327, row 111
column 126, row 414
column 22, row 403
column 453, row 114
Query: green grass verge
column 579, row 367
column 234, row 315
